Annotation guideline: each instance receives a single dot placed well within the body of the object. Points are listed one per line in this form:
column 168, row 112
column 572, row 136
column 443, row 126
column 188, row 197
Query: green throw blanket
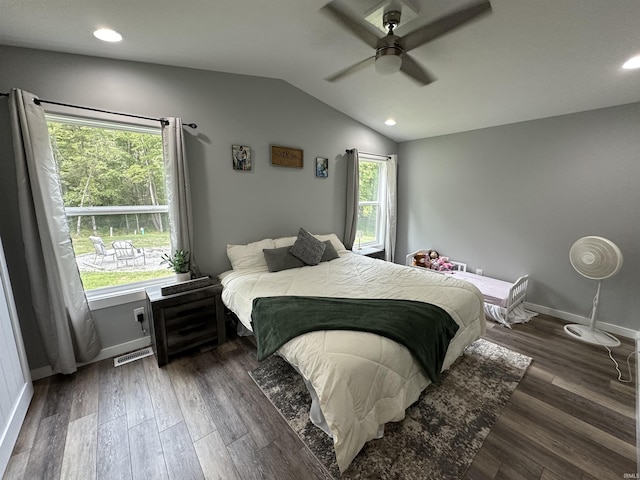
column 424, row 329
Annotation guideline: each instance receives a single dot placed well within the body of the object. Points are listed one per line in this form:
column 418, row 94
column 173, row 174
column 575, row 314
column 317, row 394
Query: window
column 112, row 177
column 371, row 206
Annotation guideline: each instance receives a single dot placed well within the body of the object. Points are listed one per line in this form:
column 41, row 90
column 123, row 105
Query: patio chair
column 100, row 249
column 126, row 252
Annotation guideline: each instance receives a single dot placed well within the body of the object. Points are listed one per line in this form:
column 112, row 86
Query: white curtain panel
column 353, row 197
column 392, row 208
column 59, row 302
column 178, row 189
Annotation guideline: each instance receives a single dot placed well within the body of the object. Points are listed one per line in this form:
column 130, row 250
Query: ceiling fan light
column 388, row 64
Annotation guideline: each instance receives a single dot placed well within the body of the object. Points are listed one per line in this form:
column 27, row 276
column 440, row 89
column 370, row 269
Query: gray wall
column 512, row 200
column 229, row 206
column 509, row 200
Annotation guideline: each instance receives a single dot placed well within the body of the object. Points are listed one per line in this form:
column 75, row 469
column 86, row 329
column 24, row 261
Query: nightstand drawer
column 176, row 317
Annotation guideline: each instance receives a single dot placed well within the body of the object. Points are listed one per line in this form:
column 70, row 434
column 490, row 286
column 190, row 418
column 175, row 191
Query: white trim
column 573, row 318
column 637, row 403
column 115, row 210
column 123, row 294
column 105, row 124
column 113, row 300
column 120, row 349
column 14, row 424
column 12, row 421
column 379, row 203
column 105, row 353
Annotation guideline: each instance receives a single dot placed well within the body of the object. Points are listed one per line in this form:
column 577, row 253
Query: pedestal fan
column 596, row 258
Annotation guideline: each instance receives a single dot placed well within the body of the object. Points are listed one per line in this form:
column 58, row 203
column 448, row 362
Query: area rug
column 441, row 433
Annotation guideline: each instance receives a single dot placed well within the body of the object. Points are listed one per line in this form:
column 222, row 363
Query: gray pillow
column 280, row 259
column 330, row 252
column 308, row 248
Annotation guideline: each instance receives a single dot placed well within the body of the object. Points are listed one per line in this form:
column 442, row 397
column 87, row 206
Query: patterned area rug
column 442, row 431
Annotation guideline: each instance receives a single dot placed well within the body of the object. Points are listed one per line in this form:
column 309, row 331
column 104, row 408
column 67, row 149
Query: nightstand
column 369, row 252
column 184, row 320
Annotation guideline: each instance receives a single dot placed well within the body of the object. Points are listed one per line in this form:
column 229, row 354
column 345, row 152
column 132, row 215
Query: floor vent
column 131, row 357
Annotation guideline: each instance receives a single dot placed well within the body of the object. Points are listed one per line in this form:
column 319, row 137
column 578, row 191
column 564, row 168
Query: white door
column 16, row 388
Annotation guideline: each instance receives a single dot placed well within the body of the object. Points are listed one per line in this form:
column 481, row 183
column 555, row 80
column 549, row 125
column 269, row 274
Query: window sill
column 123, row 294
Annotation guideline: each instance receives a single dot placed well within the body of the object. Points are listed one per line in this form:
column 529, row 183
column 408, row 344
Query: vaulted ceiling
column 528, row 59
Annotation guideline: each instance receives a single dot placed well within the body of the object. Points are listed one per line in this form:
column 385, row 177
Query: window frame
column 381, row 221
column 113, row 295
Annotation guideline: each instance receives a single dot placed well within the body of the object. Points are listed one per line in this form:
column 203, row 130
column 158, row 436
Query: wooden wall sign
column 286, row 157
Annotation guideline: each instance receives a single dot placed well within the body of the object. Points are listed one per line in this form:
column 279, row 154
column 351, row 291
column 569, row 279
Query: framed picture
column 241, row 156
column 286, row 157
column 322, row 167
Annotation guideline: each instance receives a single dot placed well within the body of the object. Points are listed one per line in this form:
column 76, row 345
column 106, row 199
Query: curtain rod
column 370, row 154
column 163, row 121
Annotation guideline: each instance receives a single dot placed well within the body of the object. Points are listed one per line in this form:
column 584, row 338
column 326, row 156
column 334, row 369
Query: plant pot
column 183, row 277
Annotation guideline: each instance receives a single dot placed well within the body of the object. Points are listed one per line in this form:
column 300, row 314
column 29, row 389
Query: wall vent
column 130, row 357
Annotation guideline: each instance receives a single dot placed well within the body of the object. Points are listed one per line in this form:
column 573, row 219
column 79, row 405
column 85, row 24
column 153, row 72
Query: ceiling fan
column 392, row 50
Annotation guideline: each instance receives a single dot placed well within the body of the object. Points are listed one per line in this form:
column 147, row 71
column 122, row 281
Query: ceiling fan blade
column 359, row 30
column 443, row 25
column 352, row 69
column 415, row 71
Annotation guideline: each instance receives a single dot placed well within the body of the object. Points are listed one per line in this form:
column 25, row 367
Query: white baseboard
column 573, row 318
column 108, row 352
column 117, row 350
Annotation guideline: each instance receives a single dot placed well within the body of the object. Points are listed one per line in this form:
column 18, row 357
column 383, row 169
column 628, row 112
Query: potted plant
column 179, row 263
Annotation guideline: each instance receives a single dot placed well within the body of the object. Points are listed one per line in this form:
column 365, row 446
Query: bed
column 504, row 301
column 358, row 381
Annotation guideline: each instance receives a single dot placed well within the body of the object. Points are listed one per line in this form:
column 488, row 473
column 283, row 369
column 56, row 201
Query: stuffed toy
column 444, row 265
column 421, row 259
column 438, row 263
column 433, row 259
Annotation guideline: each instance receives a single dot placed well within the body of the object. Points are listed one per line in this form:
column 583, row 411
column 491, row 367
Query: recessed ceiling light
column 390, row 121
column 632, row 63
column 107, row 35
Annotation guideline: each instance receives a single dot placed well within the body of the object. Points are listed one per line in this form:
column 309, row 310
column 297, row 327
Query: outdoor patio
column 152, row 261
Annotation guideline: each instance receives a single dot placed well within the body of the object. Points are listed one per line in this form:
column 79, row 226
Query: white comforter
column 361, row 380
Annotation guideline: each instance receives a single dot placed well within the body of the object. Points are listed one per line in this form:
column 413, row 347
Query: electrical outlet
column 138, row 314
column 478, row 271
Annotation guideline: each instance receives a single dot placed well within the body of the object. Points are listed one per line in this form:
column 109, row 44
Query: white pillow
column 243, row 257
column 335, row 241
column 288, row 241
column 284, row 241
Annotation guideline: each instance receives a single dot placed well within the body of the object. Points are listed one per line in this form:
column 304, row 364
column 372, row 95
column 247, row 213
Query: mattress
column 358, row 381
column 495, row 292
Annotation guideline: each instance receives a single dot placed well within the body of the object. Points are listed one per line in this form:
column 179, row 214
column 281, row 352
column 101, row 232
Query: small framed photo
column 322, row 167
column 241, row 156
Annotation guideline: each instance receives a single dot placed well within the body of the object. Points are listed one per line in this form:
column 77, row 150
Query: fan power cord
column 620, row 379
column 617, row 366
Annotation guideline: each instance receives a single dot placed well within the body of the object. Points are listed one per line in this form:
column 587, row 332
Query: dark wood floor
column 202, row 416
